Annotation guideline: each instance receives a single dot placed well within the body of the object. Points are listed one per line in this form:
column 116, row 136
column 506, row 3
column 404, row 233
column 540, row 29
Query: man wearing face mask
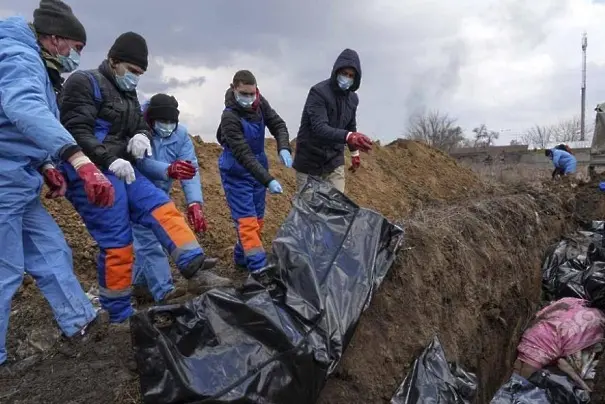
column 328, row 122
column 101, row 110
column 244, row 168
column 173, row 159
column 32, row 141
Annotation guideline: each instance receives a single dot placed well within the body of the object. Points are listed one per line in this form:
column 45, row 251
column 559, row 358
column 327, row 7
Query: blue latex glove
column 286, row 158
column 275, row 187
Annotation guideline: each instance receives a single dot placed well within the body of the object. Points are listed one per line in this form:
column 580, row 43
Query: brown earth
column 470, row 273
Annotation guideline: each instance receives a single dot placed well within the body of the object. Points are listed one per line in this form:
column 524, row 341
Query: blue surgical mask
column 127, row 82
column 245, row 101
column 70, row 62
column 344, row 82
column 164, row 129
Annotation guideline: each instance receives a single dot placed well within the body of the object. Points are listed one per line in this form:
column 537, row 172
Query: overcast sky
column 507, row 63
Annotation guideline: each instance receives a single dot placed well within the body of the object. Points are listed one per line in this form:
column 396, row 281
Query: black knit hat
column 163, row 107
column 54, row 17
column 130, row 47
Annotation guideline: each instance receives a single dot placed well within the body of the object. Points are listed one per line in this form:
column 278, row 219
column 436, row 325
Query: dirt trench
column 469, row 272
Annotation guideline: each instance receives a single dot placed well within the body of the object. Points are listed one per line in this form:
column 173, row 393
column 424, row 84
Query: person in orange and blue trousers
column 101, row 110
column 173, row 159
column 244, row 167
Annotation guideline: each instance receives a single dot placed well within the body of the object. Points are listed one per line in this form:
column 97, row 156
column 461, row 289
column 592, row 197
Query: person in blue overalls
column 243, row 164
column 173, row 158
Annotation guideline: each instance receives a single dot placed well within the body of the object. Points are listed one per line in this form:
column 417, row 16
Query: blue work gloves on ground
column 275, row 187
column 286, row 158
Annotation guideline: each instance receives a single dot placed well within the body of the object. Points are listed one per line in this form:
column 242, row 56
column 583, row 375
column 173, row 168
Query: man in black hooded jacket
column 329, row 122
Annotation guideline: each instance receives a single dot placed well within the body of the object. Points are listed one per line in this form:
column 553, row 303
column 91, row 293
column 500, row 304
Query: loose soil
column 469, row 273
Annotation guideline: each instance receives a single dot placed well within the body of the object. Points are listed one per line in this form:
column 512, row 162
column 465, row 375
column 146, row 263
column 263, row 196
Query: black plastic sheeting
column 434, row 380
column 575, row 267
column 257, row 345
column 543, row 387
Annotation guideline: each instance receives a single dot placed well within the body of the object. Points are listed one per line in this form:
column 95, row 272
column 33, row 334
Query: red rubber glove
column 196, row 217
column 98, row 189
column 359, row 141
column 181, row 170
column 55, row 182
column 355, row 163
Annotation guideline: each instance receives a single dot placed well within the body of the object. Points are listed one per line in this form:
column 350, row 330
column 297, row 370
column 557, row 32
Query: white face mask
column 245, row 101
column 344, row 82
column 70, row 62
column 164, row 129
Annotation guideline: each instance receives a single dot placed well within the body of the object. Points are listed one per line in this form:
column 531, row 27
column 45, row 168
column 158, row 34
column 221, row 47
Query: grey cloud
column 525, row 25
column 150, row 85
column 305, row 38
column 554, row 107
column 436, row 82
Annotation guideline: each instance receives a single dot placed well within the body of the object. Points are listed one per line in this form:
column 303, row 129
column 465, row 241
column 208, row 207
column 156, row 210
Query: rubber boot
column 176, row 293
column 142, row 294
column 92, row 332
column 205, row 280
column 200, row 277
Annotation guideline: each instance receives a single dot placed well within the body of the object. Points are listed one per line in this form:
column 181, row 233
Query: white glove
column 123, row 170
column 139, row 145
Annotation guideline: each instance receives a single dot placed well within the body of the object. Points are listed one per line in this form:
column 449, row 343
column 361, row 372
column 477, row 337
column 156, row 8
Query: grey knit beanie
column 54, row 17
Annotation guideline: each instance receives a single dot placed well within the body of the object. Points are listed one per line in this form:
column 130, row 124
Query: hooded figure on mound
column 328, row 123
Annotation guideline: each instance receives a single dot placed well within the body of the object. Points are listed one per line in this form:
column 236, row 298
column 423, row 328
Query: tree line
column 440, row 130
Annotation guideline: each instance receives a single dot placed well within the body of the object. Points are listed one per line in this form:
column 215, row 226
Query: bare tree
column 484, row 137
column 538, row 135
column 568, row 130
column 515, row 142
column 435, row 129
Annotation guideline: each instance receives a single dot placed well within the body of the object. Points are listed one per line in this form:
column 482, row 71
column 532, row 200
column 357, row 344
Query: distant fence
column 512, row 155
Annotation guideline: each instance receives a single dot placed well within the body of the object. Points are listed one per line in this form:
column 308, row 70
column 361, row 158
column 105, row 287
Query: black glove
column 556, row 171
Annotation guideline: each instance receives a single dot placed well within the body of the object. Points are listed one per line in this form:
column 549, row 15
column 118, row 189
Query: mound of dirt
column 590, row 203
column 469, row 272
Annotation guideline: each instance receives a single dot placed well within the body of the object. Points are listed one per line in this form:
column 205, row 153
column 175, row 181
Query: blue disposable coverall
column 564, row 161
column 31, row 136
column 151, row 265
column 140, row 202
column 246, row 196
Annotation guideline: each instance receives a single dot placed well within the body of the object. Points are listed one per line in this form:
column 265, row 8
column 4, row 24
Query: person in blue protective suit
column 243, row 164
column 563, row 161
column 173, row 158
column 32, row 141
column 101, row 110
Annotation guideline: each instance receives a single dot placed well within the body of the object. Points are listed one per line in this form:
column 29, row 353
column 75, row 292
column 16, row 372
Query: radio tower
column 583, row 117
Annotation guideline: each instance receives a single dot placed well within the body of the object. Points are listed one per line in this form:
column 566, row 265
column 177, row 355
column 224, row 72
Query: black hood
column 230, row 101
column 347, row 58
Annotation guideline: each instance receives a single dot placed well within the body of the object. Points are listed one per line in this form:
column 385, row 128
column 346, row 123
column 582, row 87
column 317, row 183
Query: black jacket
column 230, row 133
column 121, row 109
column 328, row 116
